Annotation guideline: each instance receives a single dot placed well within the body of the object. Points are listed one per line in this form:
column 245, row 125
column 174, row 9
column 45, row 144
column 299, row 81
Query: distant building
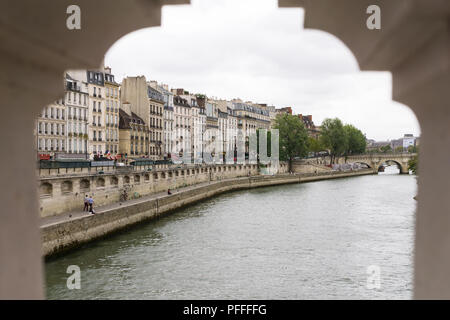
column 313, row 131
column 408, row 140
column 133, row 133
column 112, row 101
column 156, row 123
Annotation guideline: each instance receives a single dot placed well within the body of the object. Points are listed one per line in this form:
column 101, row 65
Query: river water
column 318, row 240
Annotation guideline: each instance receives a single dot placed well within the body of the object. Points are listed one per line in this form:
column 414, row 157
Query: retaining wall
column 61, row 236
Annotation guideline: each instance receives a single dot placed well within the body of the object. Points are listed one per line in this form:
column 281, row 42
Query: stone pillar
column 432, row 243
column 21, row 273
column 423, row 83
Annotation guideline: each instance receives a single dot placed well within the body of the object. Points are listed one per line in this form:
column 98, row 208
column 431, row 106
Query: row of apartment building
column 98, row 117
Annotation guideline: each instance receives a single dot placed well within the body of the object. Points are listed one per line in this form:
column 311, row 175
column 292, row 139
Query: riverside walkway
column 77, row 214
column 71, row 229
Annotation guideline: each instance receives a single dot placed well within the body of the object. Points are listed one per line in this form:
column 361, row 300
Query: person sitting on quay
column 91, row 205
column 86, row 203
column 168, row 191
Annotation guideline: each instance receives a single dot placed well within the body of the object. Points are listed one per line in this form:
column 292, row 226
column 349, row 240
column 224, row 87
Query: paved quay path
column 78, row 214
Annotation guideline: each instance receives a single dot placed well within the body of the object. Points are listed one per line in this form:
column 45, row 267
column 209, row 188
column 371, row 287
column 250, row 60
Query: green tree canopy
column 413, row 149
column 356, row 140
column 412, row 164
column 333, row 137
column 293, row 137
column 315, row 145
column 386, row 149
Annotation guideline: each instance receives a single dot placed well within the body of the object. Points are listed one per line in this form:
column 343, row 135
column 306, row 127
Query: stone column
column 21, row 273
column 432, row 243
column 423, row 84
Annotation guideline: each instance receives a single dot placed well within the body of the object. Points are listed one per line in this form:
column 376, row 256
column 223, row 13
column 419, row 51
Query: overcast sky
column 251, row 49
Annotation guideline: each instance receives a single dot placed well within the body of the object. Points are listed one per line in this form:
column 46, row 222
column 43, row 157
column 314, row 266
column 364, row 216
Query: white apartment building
column 77, row 102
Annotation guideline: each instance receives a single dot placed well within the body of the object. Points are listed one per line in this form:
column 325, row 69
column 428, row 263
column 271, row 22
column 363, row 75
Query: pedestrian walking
column 91, row 205
column 86, row 203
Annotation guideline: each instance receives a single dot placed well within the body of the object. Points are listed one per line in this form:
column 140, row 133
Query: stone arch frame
column 66, row 186
column 85, row 185
column 114, row 181
column 46, row 189
column 100, row 182
column 413, row 44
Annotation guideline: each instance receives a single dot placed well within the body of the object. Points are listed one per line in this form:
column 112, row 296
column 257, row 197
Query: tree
column 412, row 164
column 356, row 140
column 314, row 145
column 293, row 137
column 333, row 137
column 399, row 149
column 386, row 149
column 413, row 149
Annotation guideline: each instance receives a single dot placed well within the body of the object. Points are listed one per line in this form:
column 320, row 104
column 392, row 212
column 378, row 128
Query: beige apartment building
column 50, row 132
column 112, row 106
column 77, row 102
column 156, row 123
column 135, row 97
column 133, row 134
column 182, row 121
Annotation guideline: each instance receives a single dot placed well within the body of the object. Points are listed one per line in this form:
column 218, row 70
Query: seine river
column 306, row 241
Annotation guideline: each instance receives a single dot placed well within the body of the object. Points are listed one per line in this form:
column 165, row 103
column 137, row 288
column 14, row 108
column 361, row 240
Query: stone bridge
column 375, row 161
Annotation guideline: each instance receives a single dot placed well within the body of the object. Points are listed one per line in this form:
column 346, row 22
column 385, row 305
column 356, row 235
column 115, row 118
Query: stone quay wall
column 70, row 233
column 63, row 190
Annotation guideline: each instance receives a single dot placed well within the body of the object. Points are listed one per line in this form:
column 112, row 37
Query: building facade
column 97, row 112
column 134, row 134
column 51, row 130
column 182, row 121
column 112, row 103
column 156, row 123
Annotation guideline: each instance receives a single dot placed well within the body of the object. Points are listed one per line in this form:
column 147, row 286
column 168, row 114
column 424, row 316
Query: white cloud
column 253, row 50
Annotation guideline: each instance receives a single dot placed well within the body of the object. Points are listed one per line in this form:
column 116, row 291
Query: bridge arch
column 403, row 168
column 369, row 166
